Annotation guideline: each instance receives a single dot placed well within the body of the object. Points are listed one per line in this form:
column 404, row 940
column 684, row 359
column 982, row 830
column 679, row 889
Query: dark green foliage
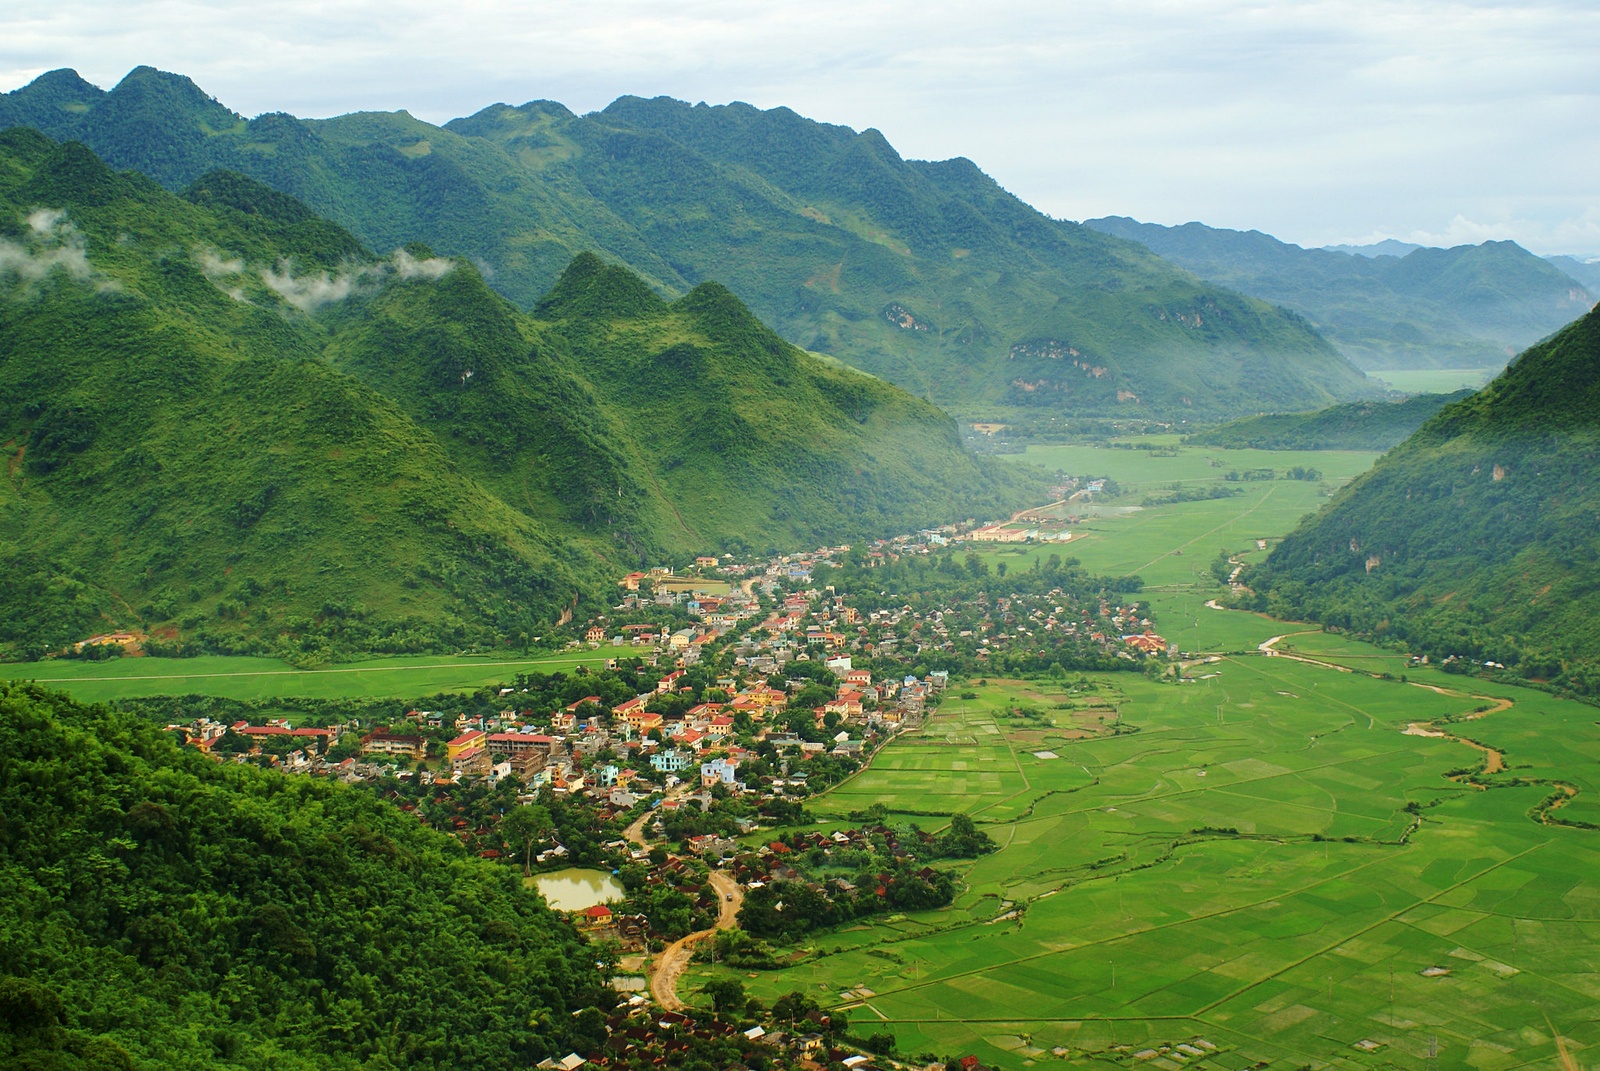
column 1467, row 307
column 1353, row 426
column 926, row 274
column 963, row 840
column 1477, row 537
column 164, row 911
column 227, row 424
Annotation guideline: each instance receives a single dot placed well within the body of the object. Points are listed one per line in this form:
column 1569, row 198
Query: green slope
column 1585, row 270
column 1472, row 306
column 926, row 274
column 747, row 438
column 1476, row 537
column 1352, row 426
column 229, row 424
column 166, row 911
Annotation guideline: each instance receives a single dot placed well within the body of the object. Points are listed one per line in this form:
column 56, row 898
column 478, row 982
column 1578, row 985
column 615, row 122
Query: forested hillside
column 231, row 425
column 926, row 274
column 1479, row 536
column 1351, row 426
column 1472, row 306
column 164, row 911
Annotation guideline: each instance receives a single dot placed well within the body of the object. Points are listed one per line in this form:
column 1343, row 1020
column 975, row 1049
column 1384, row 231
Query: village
column 730, row 692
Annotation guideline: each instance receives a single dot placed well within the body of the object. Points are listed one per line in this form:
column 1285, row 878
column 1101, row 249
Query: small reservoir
column 575, row 888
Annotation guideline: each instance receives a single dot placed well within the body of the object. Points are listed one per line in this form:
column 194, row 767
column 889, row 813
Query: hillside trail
column 669, row 966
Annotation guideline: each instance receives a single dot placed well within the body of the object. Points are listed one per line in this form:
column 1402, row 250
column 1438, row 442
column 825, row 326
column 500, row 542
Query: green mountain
column 1351, row 426
column 1477, row 537
column 928, row 275
column 1586, row 271
column 1468, row 307
column 229, row 424
column 166, row 911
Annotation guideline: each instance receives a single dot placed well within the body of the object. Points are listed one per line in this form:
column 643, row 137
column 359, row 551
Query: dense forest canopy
column 167, row 911
column 1477, row 537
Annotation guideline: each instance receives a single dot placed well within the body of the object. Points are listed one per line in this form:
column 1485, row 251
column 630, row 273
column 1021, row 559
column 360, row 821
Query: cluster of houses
column 639, row 1036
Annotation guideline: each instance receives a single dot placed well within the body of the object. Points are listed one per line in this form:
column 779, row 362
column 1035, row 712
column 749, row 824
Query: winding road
column 668, row 965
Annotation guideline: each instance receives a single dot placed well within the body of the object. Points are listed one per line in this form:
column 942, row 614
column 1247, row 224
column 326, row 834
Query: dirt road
column 669, row 966
column 1494, row 761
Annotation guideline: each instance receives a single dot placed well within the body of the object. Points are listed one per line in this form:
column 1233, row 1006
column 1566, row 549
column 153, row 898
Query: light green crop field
column 1261, row 863
column 402, row 677
column 1242, row 870
column 1175, row 544
column 1435, row 380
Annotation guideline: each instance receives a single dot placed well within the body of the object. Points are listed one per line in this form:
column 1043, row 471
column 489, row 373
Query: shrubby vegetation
column 1477, row 538
column 167, row 911
column 236, row 430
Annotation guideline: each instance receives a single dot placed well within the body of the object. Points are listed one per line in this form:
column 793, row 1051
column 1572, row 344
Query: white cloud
column 409, row 267
column 310, row 292
column 51, row 244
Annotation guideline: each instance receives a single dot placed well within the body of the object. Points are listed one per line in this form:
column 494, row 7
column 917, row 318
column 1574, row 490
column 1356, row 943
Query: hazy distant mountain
column 231, row 424
column 1586, row 270
column 1480, row 535
column 926, row 274
column 1468, row 307
column 1389, row 247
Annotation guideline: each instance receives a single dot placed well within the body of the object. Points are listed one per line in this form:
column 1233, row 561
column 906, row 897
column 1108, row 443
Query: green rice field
column 401, row 677
column 1260, row 863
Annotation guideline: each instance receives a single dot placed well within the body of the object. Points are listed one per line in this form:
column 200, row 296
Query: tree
column 524, row 825
column 727, row 994
column 793, row 1006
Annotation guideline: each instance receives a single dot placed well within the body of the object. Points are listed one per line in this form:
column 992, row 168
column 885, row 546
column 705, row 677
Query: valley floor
column 1306, row 851
column 1330, row 859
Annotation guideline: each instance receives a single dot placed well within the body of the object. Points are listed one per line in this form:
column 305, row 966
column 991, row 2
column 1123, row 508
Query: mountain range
column 1476, row 537
column 232, row 425
column 1473, row 306
column 928, row 275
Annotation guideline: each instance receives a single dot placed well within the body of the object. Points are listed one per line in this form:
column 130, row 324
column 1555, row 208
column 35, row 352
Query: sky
column 1321, row 122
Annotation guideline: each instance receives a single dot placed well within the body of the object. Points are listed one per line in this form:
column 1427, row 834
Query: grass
column 1434, row 380
column 1174, row 545
column 1274, row 942
column 1263, row 860
column 265, row 678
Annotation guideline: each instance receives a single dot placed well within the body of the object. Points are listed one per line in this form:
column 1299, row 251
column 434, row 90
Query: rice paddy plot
column 1264, row 860
column 235, row 677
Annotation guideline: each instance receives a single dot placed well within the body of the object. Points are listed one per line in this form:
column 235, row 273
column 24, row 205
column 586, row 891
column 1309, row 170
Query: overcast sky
column 1318, row 122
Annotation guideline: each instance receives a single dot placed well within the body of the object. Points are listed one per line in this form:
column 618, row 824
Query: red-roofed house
column 467, row 741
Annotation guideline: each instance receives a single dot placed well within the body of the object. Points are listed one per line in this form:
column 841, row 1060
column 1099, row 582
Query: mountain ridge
column 928, row 275
column 1476, row 537
column 232, row 426
column 1469, row 306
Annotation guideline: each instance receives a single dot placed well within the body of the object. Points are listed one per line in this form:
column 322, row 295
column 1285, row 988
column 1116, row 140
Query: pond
column 575, row 888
